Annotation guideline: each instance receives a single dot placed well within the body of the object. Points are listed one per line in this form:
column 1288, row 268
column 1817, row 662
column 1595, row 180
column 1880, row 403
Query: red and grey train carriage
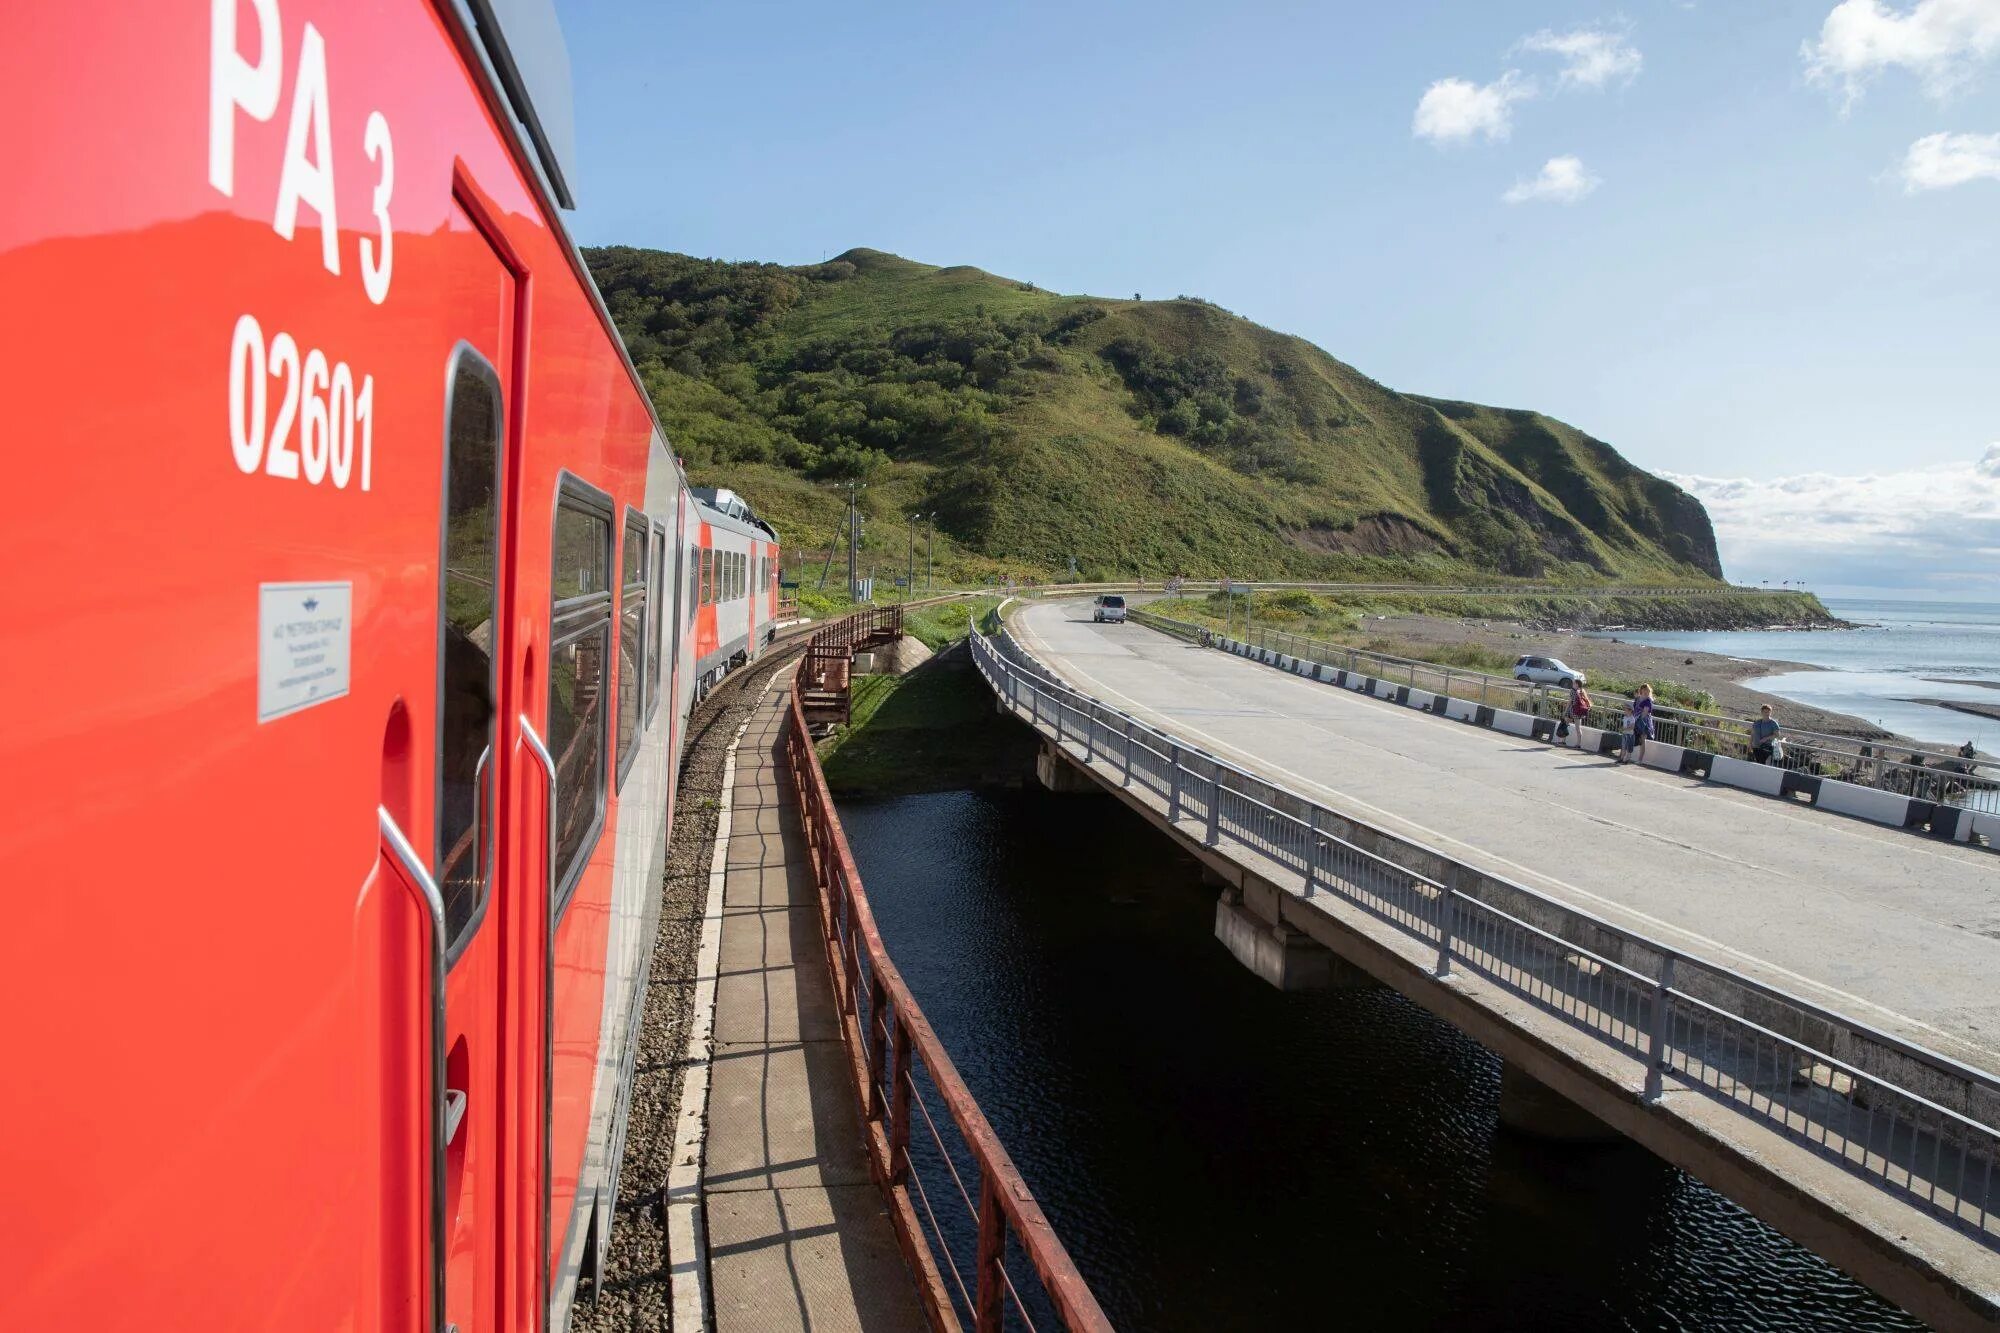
column 353, row 604
column 739, row 576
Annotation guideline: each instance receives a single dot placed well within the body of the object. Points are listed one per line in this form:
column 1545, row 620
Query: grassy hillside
column 1136, row 437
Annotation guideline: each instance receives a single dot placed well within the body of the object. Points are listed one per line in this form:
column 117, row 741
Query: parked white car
column 1546, row 671
column 1108, row 608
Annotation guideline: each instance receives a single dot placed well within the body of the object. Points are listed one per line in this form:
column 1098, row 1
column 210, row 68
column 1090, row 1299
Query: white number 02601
column 333, row 414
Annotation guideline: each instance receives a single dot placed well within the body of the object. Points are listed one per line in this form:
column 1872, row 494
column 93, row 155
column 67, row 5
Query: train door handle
column 532, row 739
column 398, row 849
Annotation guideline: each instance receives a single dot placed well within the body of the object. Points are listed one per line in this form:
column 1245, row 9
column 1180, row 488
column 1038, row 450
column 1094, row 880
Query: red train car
column 354, row 606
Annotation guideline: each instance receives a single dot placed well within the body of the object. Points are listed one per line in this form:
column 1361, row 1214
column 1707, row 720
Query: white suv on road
column 1546, row 671
column 1109, row 607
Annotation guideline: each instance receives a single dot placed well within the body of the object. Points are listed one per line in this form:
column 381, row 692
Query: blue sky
column 1755, row 245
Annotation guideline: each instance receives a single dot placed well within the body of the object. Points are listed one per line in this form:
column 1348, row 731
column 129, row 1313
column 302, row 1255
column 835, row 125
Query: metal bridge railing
column 1686, row 1020
column 1929, row 774
column 983, row 1254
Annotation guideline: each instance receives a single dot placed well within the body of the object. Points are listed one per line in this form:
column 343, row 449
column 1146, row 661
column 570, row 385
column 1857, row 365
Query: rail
column 928, row 1142
column 1930, row 773
column 1686, row 1020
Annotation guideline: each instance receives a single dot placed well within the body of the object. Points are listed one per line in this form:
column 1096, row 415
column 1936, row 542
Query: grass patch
column 936, row 627
column 934, row 729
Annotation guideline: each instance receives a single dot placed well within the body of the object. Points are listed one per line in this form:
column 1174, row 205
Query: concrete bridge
column 1794, row 1007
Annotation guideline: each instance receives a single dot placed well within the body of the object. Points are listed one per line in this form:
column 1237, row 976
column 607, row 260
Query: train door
column 477, row 884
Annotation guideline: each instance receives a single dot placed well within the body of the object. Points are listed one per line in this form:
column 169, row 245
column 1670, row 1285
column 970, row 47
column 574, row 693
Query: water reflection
column 1218, row 1155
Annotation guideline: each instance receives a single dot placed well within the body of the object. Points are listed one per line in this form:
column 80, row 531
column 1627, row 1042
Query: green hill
column 1139, row 437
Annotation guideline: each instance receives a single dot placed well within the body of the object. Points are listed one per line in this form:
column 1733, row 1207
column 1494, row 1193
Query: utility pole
column 930, row 554
column 910, row 573
column 827, row 568
column 853, row 543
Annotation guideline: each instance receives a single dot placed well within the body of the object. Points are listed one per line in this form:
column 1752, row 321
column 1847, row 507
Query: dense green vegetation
column 1136, row 438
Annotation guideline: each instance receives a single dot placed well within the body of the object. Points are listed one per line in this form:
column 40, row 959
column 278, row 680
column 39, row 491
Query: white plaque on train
column 305, row 633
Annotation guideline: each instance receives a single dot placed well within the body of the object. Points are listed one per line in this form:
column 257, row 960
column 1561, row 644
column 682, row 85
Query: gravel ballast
column 635, row 1291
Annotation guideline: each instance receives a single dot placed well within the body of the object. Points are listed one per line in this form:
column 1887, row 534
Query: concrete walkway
column 798, row 1236
column 1895, row 930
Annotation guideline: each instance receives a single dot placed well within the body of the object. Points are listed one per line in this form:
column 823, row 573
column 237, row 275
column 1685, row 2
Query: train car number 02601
column 334, row 414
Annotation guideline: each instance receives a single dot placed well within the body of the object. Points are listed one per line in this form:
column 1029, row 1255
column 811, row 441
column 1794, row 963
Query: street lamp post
column 930, row 553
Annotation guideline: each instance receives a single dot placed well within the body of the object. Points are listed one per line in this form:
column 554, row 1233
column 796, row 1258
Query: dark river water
column 1218, row 1155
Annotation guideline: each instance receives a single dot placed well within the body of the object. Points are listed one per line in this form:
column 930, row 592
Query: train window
column 469, row 563
column 656, row 579
column 632, row 624
column 579, row 657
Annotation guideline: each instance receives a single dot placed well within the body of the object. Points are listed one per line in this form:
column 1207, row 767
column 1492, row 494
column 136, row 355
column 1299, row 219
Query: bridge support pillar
column 1058, row 773
column 1529, row 1106
column 1283, row 956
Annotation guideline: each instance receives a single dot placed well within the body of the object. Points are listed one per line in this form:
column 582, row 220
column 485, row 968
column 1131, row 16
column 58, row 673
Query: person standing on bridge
column 1764, row 734
column 1577, row 711
column 1642, row 721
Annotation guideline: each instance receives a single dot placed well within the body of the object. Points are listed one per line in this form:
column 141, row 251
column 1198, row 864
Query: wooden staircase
column 826, row 675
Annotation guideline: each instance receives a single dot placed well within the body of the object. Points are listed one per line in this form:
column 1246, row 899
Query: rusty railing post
column 899, row 1106
column 878, row 1044
column 987, row 1311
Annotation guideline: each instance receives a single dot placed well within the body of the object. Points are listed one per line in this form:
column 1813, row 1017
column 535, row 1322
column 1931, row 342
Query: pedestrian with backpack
column 1577, row 711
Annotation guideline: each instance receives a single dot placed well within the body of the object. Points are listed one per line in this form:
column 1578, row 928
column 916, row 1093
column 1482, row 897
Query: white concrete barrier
column 1884, row 807
column 1987, row 826
column 1385, row 689
column 1750, row 777
column 1661, row 755
column 1461, row 710
column 1421, row 698
column 1325, row 673
column 1520, row 724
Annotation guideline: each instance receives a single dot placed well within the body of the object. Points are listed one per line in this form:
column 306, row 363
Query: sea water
column 1904, row 651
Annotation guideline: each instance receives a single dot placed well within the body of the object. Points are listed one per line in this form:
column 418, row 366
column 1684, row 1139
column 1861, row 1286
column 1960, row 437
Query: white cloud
column 1940, row 161
column 1930, row 529
column 1458, row 110
column 1939, row 41
column 1562, row 180
column 1591, row 57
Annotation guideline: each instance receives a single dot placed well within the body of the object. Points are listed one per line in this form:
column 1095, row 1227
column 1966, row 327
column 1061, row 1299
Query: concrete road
column 1889, row 927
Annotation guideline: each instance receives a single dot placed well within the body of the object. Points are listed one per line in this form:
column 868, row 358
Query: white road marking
column 1170, row 723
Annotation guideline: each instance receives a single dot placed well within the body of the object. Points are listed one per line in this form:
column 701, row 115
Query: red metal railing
column 894, row 1056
